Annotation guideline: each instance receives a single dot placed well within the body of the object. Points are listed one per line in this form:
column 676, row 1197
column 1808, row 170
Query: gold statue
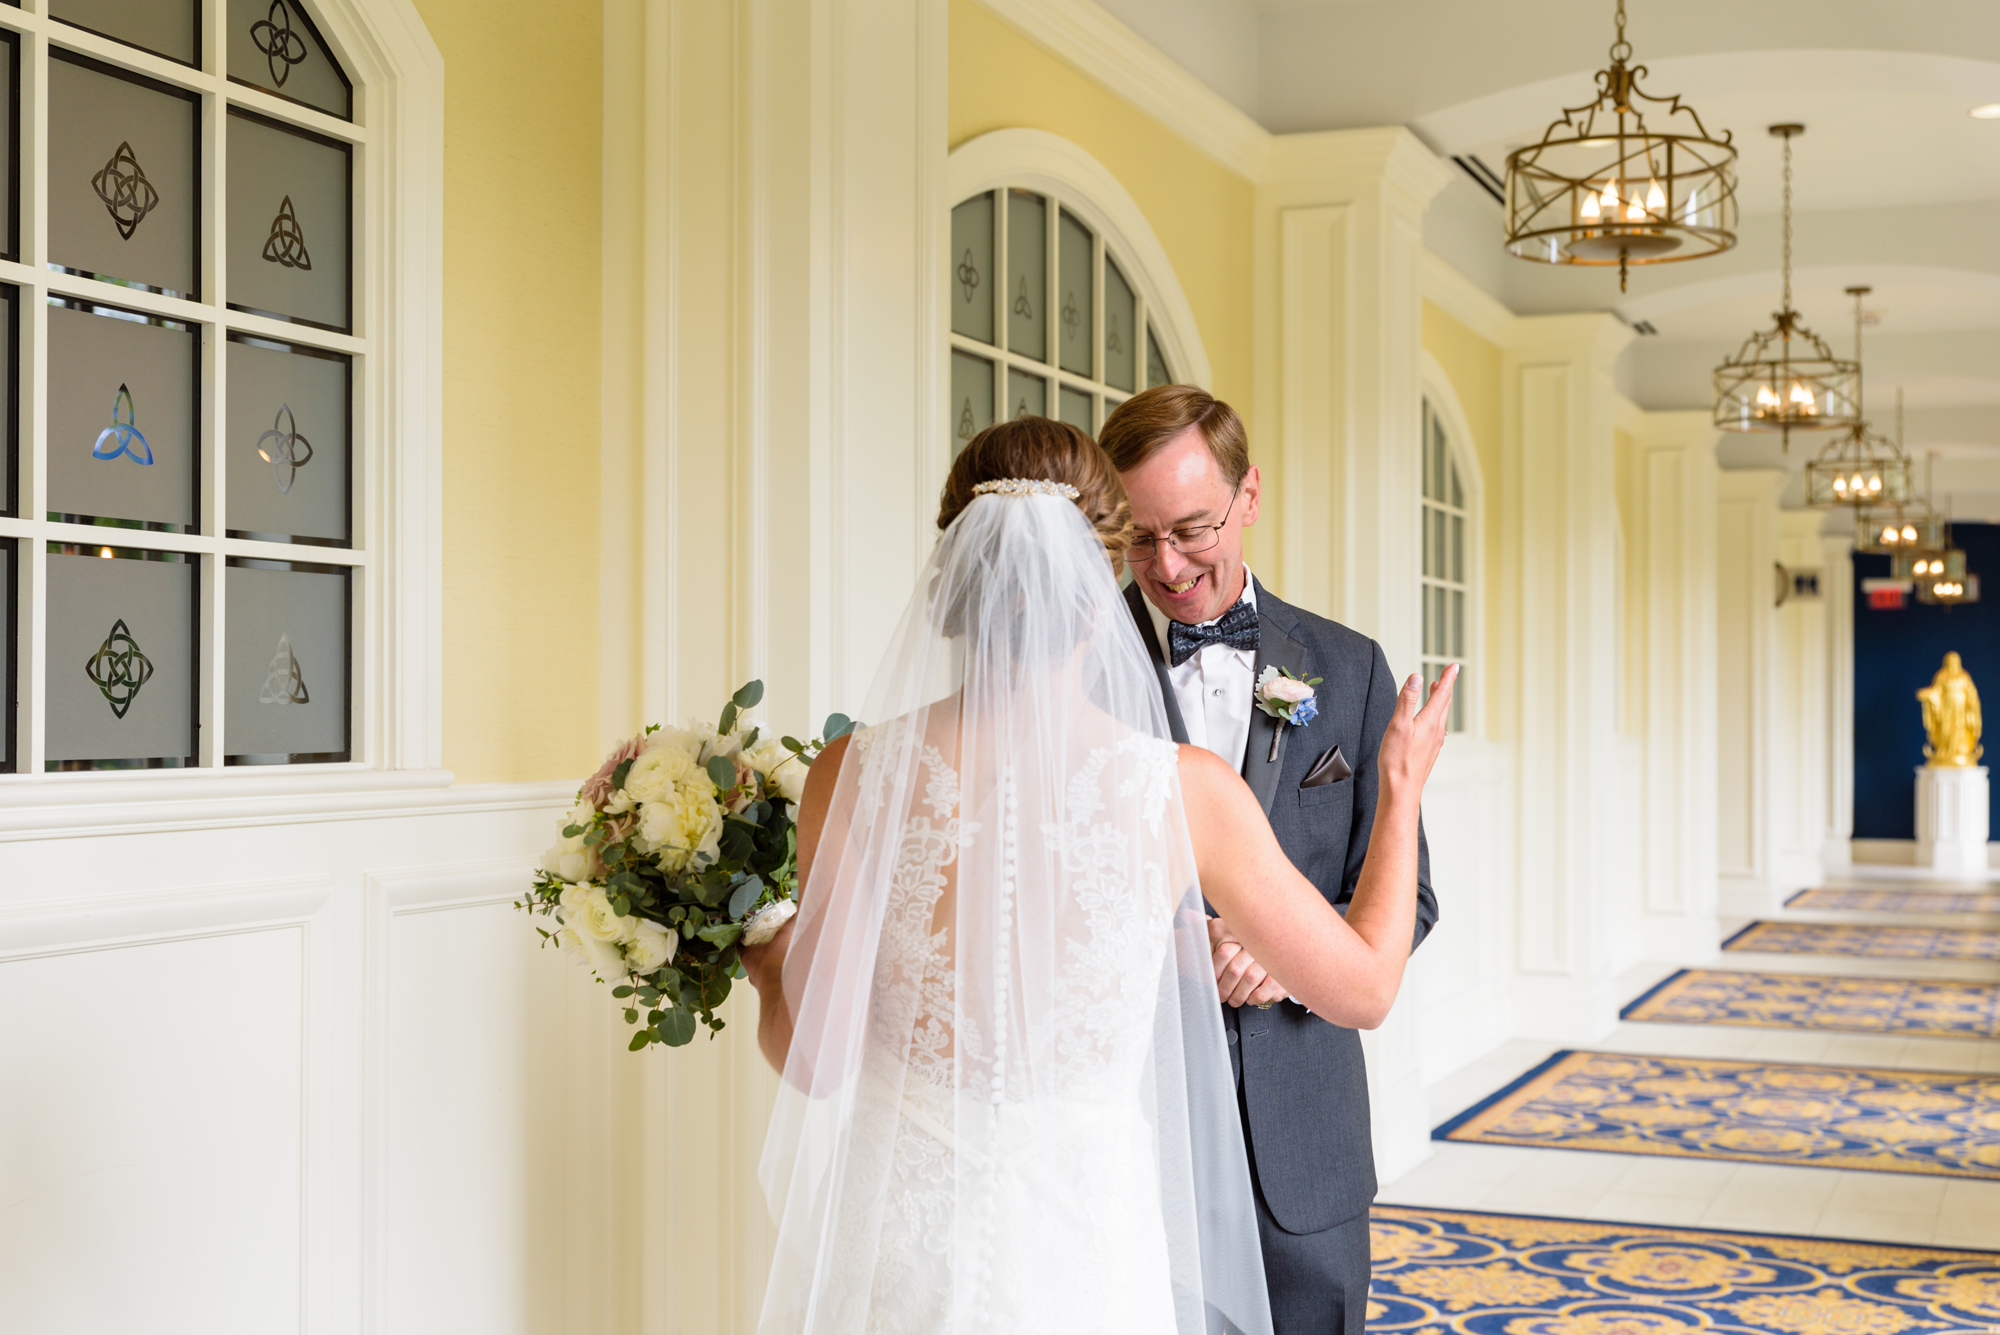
column 1951, row 717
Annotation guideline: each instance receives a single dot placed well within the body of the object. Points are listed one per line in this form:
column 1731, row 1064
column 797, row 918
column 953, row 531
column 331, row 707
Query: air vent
column 1483, row 176
column 1644, row 327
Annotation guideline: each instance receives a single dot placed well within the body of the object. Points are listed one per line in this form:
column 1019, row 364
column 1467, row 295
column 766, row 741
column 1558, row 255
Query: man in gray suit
column 1212, row 630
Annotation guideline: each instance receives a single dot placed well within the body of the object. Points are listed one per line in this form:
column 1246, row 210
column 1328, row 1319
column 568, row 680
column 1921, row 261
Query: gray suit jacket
column 1303, row 1081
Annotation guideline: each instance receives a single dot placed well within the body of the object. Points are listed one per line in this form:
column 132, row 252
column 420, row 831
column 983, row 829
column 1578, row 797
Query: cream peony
column 785, row 772
column 587, row 911
column 1274, row 685
column 659, row 771
column 601, row 957
column 568, row 859
column 650, row 946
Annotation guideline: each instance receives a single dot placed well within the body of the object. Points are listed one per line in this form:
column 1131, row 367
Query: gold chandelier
column 1860, row 469
column 1602, row 187
column 1764, row 387
column 1913, row 533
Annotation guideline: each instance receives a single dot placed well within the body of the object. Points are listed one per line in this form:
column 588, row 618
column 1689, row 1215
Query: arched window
column 1448, row 559
column 1062, row 304
column 201, row 453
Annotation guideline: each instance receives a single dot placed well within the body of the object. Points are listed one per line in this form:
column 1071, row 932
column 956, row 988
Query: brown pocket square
column 1329, row 768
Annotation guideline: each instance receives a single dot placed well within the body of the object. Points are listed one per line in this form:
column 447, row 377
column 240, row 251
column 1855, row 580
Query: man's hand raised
column 1239, row 979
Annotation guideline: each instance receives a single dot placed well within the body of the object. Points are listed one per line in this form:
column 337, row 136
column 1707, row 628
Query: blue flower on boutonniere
column 1287, row 698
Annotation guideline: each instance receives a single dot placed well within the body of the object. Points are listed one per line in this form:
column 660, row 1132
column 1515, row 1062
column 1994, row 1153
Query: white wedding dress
column 1007, row 1106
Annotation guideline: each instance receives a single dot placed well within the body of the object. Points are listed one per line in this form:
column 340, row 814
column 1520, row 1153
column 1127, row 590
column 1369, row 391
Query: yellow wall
column 1473, row 366
column 1199, row 209
column 521, row 385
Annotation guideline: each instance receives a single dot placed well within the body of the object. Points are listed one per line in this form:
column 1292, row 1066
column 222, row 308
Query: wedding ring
column 1263, row 1005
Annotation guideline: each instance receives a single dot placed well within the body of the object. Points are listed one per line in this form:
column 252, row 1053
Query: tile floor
column 1823, row 1202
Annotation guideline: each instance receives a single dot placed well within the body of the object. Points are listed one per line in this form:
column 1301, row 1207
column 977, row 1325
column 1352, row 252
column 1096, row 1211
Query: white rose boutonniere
column 1286, row 698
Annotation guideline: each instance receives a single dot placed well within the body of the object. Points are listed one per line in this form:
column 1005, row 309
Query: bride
column 1007, row 1104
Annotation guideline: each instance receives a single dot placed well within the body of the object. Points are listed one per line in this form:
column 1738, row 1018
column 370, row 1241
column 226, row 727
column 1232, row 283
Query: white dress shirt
column 1214, row 688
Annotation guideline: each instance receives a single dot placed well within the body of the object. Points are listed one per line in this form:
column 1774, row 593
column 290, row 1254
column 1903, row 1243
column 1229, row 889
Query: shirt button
column 1217, row 692
column 1232, row 1038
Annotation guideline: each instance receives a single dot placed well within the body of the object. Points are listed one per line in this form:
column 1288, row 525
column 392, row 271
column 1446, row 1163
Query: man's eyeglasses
column 1186, row 541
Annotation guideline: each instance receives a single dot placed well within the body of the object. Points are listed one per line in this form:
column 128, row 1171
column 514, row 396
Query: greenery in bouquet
column 680, row 850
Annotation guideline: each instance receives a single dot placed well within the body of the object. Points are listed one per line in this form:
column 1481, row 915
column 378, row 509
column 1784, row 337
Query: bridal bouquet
column 679, row 850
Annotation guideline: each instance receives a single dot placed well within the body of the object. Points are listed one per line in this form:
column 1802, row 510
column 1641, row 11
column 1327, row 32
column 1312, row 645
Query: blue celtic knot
column 123, row 433
column 284, row 448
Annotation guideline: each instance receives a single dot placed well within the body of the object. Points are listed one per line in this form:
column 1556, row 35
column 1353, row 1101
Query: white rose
column 590, row 914
column 567, row 859
column 1277, row 686
column 601, row 957
column 650, row 946
column 784, row 771
column 762, row 926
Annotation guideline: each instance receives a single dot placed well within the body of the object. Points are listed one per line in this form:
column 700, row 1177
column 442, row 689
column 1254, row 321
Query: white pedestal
column 1951, row 822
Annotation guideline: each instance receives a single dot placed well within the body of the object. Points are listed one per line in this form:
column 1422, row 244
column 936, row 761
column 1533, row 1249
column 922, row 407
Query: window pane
column 10, row 185
column 1456, row 723
column 1457, row 493
column 1073, row 285
column 1458, row 549
column 120, row 659
column 1430, row 521
column 284, row 676
column 1027, row 274
column 10, row 676
column 164, row 27
column 10, row 438
column 1457, row 649
column 1076, row 409
column 122, row 415
column 972, row 268
column 287, row 232
column 1156, row 362
column 971, row 396
column 274, row 45
column 1027, row 395
column 1120, row 350
column 287, row 446
column 1430, row 626
column 122, row 197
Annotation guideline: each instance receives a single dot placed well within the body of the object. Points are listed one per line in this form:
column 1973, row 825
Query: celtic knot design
column 287, row 243
column 284, row 448
column 284, row 684
column 1022, row 306
column 965, row 422
column 128, row 196
column 1071, row 317
column 968, row 275
column 123, row 434
column 276, row 39
column 1112, row 341
column 1021, row 408
column 118, row 668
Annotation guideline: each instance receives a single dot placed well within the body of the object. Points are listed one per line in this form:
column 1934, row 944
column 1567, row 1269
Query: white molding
column 1465, row 301
column 1086, row 36
column 1038, row 159
column 109, row 922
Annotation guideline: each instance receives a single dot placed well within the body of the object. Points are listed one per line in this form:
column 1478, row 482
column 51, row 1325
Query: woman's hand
column 1411, row 742
column 766, row 963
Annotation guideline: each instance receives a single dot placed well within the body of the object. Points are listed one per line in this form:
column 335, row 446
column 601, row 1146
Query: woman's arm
column 766, row 963
column 1346, row 971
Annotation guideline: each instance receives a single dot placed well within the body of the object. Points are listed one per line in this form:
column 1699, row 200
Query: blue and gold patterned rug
column 1439, row 1271
column 1930, row 1008
column 1907, row 943
column 1897, row 901
column 1755, row 1112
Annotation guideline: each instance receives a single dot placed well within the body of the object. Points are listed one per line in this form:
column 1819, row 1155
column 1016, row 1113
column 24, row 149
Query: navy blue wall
column 1895, row 655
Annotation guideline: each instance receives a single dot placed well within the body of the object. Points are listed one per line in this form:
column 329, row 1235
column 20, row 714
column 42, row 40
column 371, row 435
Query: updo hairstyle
column 1043, row 448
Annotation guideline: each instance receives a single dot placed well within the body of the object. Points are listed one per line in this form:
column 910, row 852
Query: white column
column 1560, row 654
column 1339, row 228
column 1746, row 678
column 1836, row 583
column 1800, row 793
column 1674, row 548
column 1952, row 817
column 770, row 464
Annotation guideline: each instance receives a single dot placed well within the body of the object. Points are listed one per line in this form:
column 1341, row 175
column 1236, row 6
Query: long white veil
column 1008, row 1104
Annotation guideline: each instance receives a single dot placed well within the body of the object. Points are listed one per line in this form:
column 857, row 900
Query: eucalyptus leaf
column 746, row 897
column 722, row 772
column 750, row 696
column 618, row 775
column 837, row 726
column 729, row 712
column 676, row 1028
column 639, row 1040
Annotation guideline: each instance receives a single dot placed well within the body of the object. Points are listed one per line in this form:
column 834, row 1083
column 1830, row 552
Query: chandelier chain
column 1621, row 50
column 1788, row 222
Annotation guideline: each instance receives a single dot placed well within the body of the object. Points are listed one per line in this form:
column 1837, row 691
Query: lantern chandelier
column 1765, row 387
column 1860, row 469
column 1603, row 187
column 1909, row 533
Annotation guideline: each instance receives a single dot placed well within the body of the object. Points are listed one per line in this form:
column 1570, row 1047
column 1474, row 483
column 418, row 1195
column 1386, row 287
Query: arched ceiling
column 1895, row 184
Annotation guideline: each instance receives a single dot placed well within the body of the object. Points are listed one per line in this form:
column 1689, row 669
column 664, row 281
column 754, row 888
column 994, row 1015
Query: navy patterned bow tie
column 1236, row 628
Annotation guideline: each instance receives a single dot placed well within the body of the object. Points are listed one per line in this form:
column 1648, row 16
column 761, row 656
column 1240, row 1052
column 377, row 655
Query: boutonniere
column 1286, row 698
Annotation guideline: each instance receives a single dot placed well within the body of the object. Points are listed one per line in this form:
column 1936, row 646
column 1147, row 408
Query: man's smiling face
column 1182, row 486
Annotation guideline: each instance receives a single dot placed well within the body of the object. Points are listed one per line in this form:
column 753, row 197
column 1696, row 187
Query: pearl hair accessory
column 1021, row 486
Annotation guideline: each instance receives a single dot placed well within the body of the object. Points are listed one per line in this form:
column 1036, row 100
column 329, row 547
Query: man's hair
column 1142, row 425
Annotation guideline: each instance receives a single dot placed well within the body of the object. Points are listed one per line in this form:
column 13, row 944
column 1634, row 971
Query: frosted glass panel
column 972, row 268
column 122, row 415
column 288, row 214
column 1075, row 409
column 1027, row 274
column 288, row 449
column 1121, row 348
column 120, row 666
column 1156, row 362
column 275, row 45
column 122, row 197
column 1073, row 287
column 10, row 185
column 164, row 27
column 971, row 398
column 284, row 672
column 10, row 437
column 1027, row 396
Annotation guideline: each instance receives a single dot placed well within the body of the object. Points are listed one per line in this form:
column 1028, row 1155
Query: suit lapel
column 1175, row 724
column 1275, row 646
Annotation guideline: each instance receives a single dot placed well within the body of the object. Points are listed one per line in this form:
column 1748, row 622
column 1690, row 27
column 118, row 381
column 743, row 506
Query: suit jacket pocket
column 1326, row 794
